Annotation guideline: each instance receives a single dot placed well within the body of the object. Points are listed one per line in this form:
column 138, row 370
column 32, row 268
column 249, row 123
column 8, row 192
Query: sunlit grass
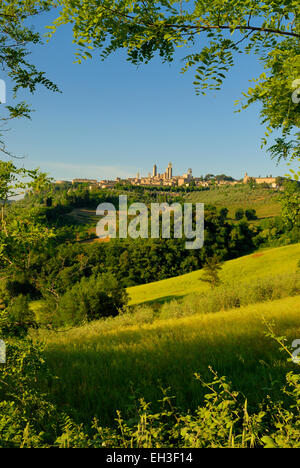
column 264, row 201
column 101, row 370
column 251, row 267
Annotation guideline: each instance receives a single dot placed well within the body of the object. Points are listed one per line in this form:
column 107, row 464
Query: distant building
column 182, row 181
column 154, row 173
column 85, row 181
column 260, row 180
column 61, row 182
column 107, row 183
column 169, row 172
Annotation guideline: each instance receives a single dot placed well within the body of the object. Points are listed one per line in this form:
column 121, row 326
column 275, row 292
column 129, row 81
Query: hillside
column 108, row 364
column 261, row 264
column 264, row 200
column 102, row 370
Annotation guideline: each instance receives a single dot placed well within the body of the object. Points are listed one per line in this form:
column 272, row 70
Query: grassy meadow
column 102, row 371
column 106, row 365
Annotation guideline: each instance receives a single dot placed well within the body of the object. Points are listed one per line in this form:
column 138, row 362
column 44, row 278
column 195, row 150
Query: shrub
column 250, row 214
column 221, row 421
column 239, row 214
column 90, row 299
column 228, row 296
column 19, row 286
column 17, row 318
column 27, row 418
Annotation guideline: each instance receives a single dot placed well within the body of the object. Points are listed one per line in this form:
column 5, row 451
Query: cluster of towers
column 166, row 178
column 167, row 175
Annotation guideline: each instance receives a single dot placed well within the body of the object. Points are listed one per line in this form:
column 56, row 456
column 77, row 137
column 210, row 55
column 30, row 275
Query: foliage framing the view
column 15, row 39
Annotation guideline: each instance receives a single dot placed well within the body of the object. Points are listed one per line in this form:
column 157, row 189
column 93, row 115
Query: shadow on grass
column 161, row 300
column 112, row 371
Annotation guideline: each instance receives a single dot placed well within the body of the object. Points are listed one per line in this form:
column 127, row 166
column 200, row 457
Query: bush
column 239, row 214
column 250, row 214
column 19, row 286
column 90, row 299
column 27, row 418
column 230, row 296
column 17, row 318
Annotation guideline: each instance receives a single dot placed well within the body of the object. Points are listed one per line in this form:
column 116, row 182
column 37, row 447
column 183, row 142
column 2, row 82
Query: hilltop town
column 167, row 179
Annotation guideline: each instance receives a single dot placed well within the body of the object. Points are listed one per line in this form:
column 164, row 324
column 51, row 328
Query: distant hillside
column 265, row 201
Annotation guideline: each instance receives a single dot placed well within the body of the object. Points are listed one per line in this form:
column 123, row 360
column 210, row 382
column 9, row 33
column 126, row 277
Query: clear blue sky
column 114, row 119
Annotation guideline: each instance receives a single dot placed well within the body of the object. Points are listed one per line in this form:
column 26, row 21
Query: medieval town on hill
column 167, row 179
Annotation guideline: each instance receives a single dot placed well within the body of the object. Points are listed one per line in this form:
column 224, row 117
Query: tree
column 17, row 318
column 215, row 33
column 90, row 299
column 290, row 204
column 223, row 214
column 22, row 234
column 14, row 181
column 280, row 181
column 250, row 214
column 239, row 214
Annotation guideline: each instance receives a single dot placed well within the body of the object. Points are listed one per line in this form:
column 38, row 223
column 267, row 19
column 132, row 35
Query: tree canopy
column 15, row 39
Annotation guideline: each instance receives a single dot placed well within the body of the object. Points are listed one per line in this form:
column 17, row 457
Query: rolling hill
column 264, row 200
column 264, row 263
column 106, row 365
column 100, row 372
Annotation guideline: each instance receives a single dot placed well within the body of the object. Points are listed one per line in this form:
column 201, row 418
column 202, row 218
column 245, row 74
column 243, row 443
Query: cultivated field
column 265, row 201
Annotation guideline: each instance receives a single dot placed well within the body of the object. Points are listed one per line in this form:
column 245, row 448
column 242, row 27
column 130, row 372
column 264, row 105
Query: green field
column 100, row 372
column 265, row 201
column 261, row 264
column 83, row 216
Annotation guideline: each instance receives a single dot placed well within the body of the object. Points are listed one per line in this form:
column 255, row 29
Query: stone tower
column 169, row 171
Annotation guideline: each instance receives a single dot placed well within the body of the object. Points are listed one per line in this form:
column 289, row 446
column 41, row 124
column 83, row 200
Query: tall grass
column 105, row 365
column 101, row 371
column 271, row 262
column 229, row 296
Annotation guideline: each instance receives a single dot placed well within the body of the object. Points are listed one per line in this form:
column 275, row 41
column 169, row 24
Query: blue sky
column 114, row 119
